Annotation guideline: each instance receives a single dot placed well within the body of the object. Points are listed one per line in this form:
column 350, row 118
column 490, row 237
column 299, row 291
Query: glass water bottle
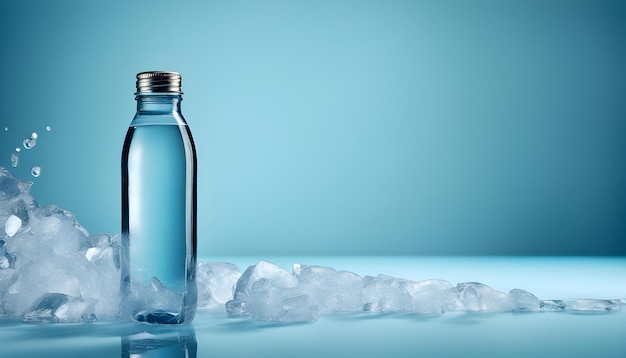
column 158, row 266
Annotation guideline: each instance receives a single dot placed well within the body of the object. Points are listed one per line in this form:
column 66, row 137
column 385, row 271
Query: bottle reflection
column 160, row 342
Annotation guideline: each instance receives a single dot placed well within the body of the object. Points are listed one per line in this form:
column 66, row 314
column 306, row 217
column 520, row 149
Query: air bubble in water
column 15, row 160
column 48, row 128
column 35, row 170
column 31, row 141
column 6, row 129
column 18, row 149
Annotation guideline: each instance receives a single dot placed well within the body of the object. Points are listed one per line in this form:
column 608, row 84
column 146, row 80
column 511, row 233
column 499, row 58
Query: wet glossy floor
column 212, row 334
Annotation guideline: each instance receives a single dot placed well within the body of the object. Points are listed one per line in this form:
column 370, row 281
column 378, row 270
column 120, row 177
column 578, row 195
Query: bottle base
column 159, row 317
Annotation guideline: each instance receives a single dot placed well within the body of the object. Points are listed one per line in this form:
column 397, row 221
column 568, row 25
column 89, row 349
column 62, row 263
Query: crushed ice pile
column 53, row 270
column 48, row 260
column 266, row 292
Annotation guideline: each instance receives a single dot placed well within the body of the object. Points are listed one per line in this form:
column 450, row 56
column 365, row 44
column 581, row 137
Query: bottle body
column 158, row 263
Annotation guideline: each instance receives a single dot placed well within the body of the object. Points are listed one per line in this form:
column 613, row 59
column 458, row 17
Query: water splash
column 35, row 171
column 15, row 160
column 31, row 141
column 27, row 143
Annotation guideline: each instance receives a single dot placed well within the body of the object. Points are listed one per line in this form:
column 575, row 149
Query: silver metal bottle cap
column 159, row 82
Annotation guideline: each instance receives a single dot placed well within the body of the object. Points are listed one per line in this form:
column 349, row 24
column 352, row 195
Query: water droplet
column 31, row 141
column 28, row 143
column 18, row 149
column 15, row 160
column 48, row 128
column 35, row 170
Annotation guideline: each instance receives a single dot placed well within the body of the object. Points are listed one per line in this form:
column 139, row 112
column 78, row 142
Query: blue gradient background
column 340, row 127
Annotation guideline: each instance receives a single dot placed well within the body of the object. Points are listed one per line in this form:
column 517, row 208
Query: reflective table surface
column 212, row 333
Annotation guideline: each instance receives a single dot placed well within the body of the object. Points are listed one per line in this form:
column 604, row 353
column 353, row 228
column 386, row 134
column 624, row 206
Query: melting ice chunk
column 263, row 272
column 20, row 209
column 216, row 281
column 587, row 305
column 269, row 293
column 164, row 303
column 389, row 294
column 385, row 294
column 9, row 186
column 476, row 297
column 330, row 290
column 104, row 249
column 594, row 305
column 58, row 307
column 427, row 296
column 523, row 301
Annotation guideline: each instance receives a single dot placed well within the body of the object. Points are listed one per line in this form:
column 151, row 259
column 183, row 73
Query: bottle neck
column 158, row 109
column 155, row 104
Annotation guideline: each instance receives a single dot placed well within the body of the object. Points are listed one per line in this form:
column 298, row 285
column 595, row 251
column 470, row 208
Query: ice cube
column 164, row 304
column 279, row 304
column 585, row 305
column 101, row 279
column 390, row 294
column 102, row 249
column 523, row 301
column 551, row 305
column 385, row 294
column 427, row 296
column 476, row 297
column 216, row 282
column 20, row 209
column 12, row 225
column 6, row 280
column 95, row 254
column 58, row 307
column 9, row 185
column 61, row 228
column 44, row 274
column 329, row 289
column 276, row 276
column 267, row 292
column 590, row 305
column 6, row 260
